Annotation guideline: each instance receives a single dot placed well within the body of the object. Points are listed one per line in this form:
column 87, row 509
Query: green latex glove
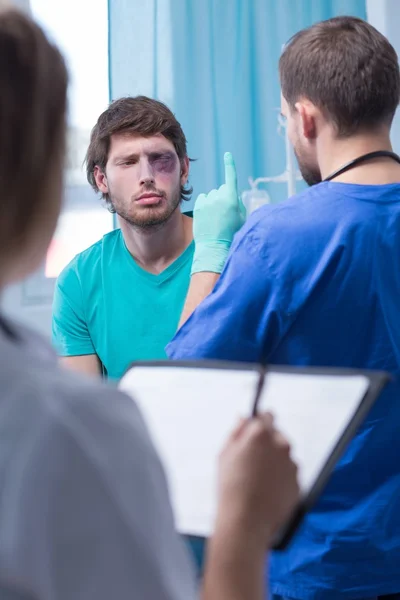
column 217, row 216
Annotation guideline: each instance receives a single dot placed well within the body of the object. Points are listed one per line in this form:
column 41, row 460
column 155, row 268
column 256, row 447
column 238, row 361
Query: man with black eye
column 121, row 299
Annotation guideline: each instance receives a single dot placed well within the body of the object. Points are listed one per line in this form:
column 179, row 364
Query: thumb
column 242, row 209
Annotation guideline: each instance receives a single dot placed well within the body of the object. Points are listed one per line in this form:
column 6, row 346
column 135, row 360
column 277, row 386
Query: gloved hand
column 217, row 216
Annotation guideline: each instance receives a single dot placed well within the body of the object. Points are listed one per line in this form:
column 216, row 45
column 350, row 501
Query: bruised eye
column 165, row 162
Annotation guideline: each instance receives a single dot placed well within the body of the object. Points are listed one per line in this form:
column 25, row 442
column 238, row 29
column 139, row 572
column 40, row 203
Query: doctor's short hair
column 137, row 115
column 346, row 68
column 33, row 98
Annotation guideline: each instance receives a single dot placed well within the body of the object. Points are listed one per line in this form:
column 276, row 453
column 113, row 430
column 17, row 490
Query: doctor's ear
column 307, row 114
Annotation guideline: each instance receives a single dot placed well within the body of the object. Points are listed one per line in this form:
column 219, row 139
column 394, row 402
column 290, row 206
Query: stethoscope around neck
column 357, row 161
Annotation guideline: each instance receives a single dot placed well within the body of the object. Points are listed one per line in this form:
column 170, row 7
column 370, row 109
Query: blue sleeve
column 70, row 332
column 244, row 318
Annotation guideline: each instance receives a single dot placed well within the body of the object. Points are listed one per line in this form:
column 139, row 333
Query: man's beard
column 310, row 173
column 146, row 217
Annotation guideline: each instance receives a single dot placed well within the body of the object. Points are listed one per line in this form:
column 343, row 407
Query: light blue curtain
column 214, row 62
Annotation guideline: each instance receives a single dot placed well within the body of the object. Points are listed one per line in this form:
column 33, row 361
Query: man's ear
column 184, row 170
column 100, row 179
column 308, row 119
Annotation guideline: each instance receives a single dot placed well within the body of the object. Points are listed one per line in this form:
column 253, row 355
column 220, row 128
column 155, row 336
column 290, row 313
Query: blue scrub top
column 316, row 281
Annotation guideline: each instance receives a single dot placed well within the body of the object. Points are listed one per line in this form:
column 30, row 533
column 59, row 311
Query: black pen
column 260, row 387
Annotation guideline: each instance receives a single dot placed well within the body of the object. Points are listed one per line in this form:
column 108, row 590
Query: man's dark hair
column 347, row 69
column 133, row 115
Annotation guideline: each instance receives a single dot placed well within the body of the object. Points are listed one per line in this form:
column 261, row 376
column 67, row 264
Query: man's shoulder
column 84, row 265
column 91, row 255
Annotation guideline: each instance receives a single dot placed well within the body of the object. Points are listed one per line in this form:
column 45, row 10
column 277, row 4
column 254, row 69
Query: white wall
column 385, row 16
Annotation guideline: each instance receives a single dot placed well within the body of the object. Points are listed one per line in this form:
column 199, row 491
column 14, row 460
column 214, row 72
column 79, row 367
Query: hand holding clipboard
column 192, row 407
column 257, row 478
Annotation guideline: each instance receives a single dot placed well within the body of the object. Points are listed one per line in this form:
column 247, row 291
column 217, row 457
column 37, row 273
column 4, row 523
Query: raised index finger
column 230, row 172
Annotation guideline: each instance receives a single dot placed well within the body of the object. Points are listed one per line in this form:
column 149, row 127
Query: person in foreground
column 84, row 507
column 315, row 281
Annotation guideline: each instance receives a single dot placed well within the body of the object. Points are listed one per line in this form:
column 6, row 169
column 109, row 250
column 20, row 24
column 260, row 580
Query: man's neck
column 336, row 153
column 154, row 249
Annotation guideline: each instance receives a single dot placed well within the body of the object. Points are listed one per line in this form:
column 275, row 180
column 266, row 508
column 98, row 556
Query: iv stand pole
column 289, row 176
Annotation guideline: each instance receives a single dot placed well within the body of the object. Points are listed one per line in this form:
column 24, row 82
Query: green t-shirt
column 105, row 304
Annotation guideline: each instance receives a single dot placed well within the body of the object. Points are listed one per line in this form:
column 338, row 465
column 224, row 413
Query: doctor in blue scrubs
column 315, row 280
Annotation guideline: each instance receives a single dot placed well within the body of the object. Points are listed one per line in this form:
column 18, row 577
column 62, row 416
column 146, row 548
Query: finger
column 281, row 441
column 267, row 419
column 238, row 429
column 200, row 200
column 230, row 173
column 212, row 196
column 260, row 427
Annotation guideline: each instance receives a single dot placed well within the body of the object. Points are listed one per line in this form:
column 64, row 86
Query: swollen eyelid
column 166, row 163
column 162, row 158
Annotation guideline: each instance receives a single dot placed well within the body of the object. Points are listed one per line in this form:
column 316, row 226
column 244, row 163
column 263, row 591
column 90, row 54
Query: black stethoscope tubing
column 357, row 161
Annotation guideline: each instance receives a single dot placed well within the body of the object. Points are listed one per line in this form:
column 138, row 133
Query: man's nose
column 146, row 173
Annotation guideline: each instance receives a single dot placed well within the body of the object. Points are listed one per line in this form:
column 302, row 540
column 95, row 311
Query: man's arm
column 70, row 333
column 89, row 364
column 248, row 311
column 201, row 284
column 257, row 491
column 235, row 566
column 217, row 217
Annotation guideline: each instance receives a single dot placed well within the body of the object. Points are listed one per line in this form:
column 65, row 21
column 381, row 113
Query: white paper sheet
column 190, row 413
